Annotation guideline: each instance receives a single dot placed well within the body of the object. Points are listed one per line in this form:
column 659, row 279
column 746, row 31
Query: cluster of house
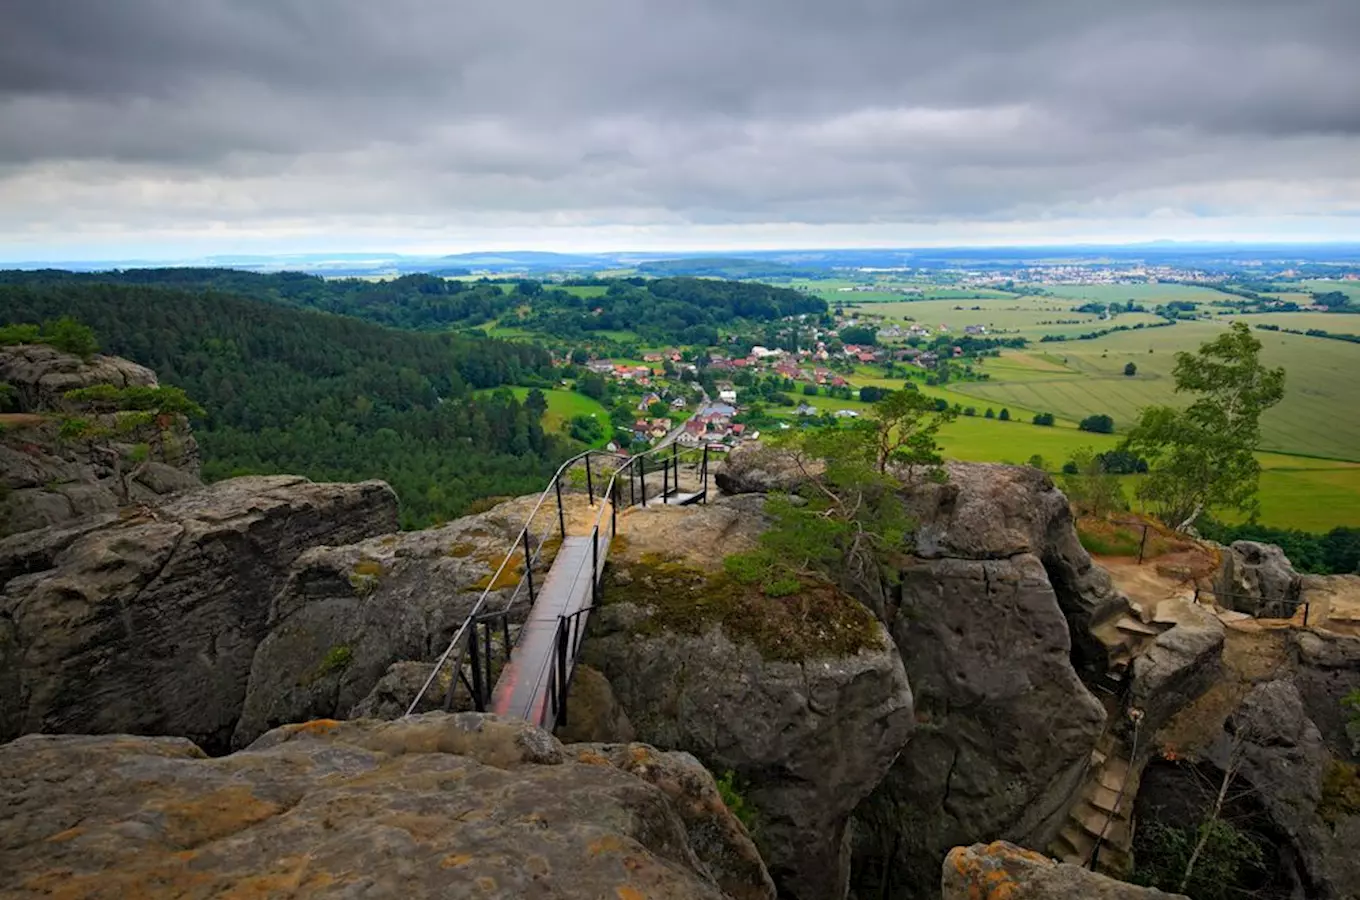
column 712, row 426
column 637, row 374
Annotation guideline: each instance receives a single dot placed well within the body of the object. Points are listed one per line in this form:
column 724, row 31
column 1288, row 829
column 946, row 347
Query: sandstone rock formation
column 1002, row 870
column 347, row 613
column 45, row 480
column 805, row 738
column 1327, row 669
column 436, row 806
column 1257, row 579
column 149, row 623
column 1180, row 665
column 985, row 617
column 1281, row 757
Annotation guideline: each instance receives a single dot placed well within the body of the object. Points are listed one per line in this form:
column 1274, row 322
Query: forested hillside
column 324, row 396
column 677, row 310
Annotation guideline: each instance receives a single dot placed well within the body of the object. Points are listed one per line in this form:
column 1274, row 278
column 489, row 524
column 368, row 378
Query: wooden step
column 1114, row 773
column 1133, row 626
column 1113, row 830
column 1076, row 845
column 1103, row 798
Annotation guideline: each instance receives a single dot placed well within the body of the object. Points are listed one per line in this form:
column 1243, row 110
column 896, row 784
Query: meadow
column 1296, row 492
column 563, row 405
column 1027, row 317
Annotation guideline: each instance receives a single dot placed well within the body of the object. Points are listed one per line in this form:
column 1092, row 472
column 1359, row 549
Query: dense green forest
column 325, row 396
column 670, row 310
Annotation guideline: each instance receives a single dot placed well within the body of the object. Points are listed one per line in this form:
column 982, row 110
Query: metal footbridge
column 558, row 557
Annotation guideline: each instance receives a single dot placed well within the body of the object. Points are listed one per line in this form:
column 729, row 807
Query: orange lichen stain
column 316, row 726
column 592, row 758
column 454, row 860
column 486, row 885
column 281, row 883
column 607, row 844
column 66, row 835
column 191, row 821
column 625, row 892
column 638, row 752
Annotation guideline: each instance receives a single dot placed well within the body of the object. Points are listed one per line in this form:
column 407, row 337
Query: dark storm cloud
column 152, row 112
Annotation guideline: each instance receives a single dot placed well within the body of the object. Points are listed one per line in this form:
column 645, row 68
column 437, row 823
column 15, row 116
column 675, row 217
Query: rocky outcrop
column 435, row 806
column 1002, row 870
column 41, row 375
column 1281, row 757
column 1257, row 579
column 347, row 613
column 805, row 730
column 984, row 617
column 1180, row 665
column 1327, row 669
column 47, row 480
column 992, row 511
column 149, row 623
column 757, row 470
column 593, row 712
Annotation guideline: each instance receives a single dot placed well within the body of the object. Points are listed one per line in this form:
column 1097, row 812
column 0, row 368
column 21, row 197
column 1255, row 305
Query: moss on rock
column 818, row 620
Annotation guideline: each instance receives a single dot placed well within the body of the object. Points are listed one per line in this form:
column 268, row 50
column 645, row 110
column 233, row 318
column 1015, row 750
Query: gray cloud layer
column 153, row 115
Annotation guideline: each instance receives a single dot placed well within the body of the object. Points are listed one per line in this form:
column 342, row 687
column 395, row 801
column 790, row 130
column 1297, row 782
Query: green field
column 563, row 405
column 1314, row 419
column 1147, row 294
column 1296, row 492
column 1027, row 317
column 1337, row 323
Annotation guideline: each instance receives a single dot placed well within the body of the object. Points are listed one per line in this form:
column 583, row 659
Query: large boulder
column 993, row 511
column 1327, row 670
column 148, row 623
column 1001, row 870
column 1281, row 757
column 1180, row 665
column 434, row 806
column 348, row 613
column 1005, row 726
column 758, row 469
column 1257, row 579
column 803, row 700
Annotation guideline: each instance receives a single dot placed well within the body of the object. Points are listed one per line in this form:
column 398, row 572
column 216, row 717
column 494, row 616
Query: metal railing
column 471, row 652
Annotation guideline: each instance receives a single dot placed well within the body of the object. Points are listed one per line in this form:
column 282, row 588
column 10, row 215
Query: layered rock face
column 1002, row 870
column 1282, row 758
column 348, row 613
column 805, row 739
column 984, row 618
column 49, row 481
column 1327, row 669
column 148, row 623
column 435, row 806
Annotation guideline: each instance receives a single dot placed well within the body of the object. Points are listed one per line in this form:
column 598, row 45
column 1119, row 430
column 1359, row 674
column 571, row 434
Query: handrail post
column 561, row 517
column 478, row 700
column 528, row 566
column 642, row 478
column 561, row 672
column 590, row 482
column 595, row 566
column 665, row 480
column 705, row 465
column 614, row 508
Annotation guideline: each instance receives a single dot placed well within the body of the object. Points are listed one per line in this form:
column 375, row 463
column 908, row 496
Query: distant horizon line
column 734, row 253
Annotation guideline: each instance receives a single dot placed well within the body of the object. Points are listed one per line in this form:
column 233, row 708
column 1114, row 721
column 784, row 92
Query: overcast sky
column 165, row 127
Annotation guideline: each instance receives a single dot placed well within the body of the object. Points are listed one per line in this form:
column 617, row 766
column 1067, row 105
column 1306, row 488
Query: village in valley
column 696, row 397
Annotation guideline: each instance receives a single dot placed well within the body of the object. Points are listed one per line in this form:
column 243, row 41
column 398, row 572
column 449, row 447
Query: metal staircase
column 531, row 678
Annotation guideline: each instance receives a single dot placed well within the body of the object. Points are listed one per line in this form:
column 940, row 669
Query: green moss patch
column 817, row 621
column 1340, row 792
